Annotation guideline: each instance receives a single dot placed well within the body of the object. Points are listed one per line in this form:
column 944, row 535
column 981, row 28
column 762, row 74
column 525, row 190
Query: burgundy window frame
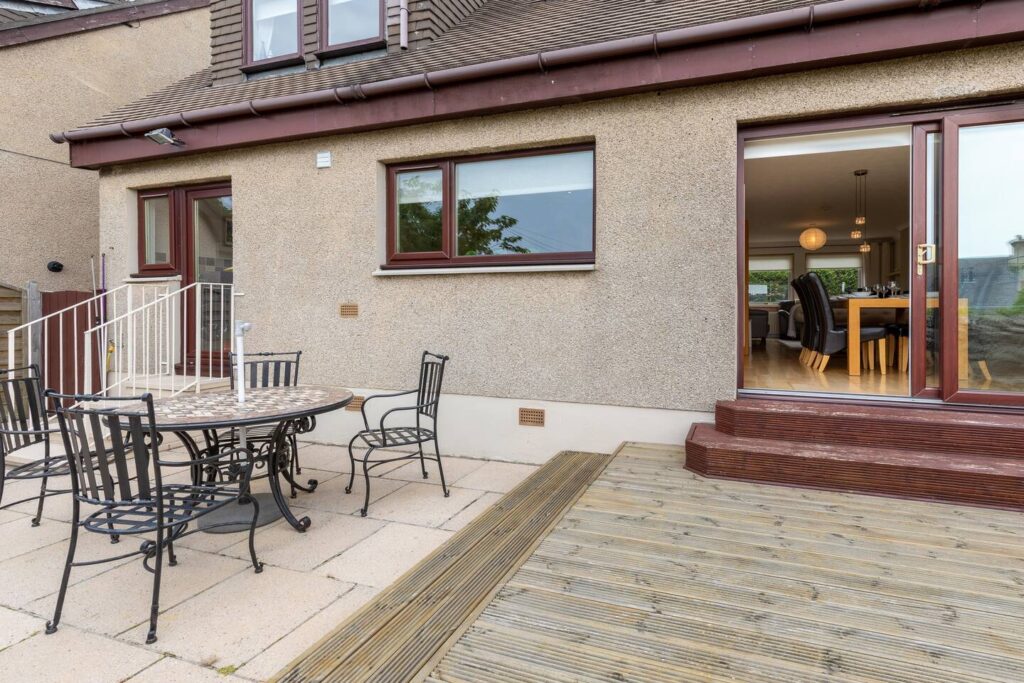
column 181, row 227
column 172, row 266
column 326, row 49
column 251, row 65
column 446, row 258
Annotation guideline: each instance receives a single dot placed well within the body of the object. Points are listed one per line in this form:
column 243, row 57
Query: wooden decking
column 397, row 636
column 658, row 574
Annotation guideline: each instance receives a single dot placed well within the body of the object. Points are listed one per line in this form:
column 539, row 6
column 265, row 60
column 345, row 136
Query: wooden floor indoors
column 777, row 366
column 657, row 574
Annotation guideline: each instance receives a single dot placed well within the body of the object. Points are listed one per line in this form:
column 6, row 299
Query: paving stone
column 115, row 601
column 173, row 670
column 72, row 656
column 17, row 626
column 422, row 504
column 475, row 509
column 454, row 469
column 501, row 477
column 330, row 534
column 278, row 655
column 331, row 496
column 384, row 556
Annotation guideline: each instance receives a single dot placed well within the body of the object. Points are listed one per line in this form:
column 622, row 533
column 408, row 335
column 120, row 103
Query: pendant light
column 813, row 238
column 860, row 209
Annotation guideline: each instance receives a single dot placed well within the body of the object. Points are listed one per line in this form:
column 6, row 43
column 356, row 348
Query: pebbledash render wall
column 636, row 349
column 48, row 210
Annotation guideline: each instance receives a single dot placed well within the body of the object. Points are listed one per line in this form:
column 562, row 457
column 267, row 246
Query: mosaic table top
column 222, row 409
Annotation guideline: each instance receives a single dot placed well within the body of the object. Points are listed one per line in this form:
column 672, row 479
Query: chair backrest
column 22, row 408
column 431, row 375
column 268, row 369
column 112, row 447
column 807, row 333
column 820, row 294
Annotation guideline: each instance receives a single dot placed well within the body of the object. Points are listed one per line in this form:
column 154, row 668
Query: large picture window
column 271, row 32
column 769, row 279
column 839, row 272
column 349, row 25
column 525, row 207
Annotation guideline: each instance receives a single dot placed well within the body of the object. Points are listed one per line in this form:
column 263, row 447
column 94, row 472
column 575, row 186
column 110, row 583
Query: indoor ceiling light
column 865, row 248
column 860, row 203
column 856, row 234
column 813, row 238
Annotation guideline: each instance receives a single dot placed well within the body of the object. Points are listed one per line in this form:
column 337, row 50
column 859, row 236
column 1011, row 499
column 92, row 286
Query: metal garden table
column 291, row 409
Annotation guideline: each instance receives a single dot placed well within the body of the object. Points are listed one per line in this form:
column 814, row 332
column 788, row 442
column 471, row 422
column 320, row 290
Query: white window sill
column 471, row 270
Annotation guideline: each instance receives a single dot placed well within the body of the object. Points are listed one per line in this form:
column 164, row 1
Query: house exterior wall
column 48, row 210
column 652, row 327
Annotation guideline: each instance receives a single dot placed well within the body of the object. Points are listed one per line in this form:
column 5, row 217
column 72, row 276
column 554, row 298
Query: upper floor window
column 351, row 24
column 520, row 208
column 271, row 31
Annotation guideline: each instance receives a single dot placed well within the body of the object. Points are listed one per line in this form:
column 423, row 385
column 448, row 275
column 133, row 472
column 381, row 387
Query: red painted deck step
column 920, row 456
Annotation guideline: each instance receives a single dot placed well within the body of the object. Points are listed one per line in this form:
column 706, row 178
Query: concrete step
column 971, row 478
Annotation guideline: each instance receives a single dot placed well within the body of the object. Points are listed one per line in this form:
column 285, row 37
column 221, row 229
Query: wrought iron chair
column 116, row 468
column 428, row 395
column 24, row 422
column 273, row 369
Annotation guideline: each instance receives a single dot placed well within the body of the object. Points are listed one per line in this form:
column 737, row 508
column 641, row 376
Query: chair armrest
column 362, row 408
column 29, row 432
column 383, row 435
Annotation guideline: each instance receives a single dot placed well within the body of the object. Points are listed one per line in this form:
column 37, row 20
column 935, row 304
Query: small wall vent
column 531, row 417
column 356, row 404
column 349, row 310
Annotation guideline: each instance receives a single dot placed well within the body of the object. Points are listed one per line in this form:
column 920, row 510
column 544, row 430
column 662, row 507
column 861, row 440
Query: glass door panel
column 928, row 261
column 990, row 257
column 213, row 240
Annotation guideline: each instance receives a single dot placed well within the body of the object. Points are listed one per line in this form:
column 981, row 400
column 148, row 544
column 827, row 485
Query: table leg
column 853, row 338
column 274, row 477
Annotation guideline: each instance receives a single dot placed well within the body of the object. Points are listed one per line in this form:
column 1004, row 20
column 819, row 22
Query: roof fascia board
column 866, row 39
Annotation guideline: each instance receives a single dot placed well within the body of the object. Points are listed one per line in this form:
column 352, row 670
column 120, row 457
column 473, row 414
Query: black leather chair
column 831, row 338
column 759, row 325
column 785, row 313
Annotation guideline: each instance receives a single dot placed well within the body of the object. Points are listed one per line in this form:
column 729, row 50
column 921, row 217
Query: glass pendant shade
column 865, row 248
column 856, row 235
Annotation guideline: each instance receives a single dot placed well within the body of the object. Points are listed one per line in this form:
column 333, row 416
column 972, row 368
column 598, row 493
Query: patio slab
column 471, row 512
column 501, row 477
column 384, row 556
column 17, row 626
column 275, row 657
column 171, row 669
column 423, row 504
column 72, row 656
column 454, row 470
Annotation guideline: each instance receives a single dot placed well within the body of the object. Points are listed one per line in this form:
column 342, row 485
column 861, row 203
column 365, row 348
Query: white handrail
column 148, row 344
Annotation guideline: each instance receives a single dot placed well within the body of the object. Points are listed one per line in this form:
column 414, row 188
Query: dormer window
column 351, row 26
column 271, row 32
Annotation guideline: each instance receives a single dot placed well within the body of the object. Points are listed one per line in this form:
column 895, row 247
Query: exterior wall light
column 164, row 136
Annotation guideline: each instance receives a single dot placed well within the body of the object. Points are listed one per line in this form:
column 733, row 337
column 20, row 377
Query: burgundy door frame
column 948, row 120
column 209, row 359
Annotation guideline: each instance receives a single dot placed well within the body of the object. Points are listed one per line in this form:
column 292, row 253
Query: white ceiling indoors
column 794, row 182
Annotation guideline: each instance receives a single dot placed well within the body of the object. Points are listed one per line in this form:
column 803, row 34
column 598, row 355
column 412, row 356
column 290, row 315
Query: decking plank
column 656, row 574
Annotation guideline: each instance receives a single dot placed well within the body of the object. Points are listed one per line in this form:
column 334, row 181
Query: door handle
column 925, row 256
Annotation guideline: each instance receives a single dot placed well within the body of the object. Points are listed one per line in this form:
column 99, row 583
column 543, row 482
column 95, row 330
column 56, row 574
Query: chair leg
column 423, row 465
column 366, row 477
column 440, row 469
column 904, row 356
column 39, row 506
column 983, row 366
column 51, row 626
column 352, row 465
column 823, row 364
column 882, row 356
column 154, row 609
column 871, row 355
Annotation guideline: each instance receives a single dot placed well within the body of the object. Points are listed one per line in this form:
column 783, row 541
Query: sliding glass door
column 983, row 295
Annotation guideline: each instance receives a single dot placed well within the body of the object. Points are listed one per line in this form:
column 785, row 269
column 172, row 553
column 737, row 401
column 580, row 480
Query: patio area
column 219, row 620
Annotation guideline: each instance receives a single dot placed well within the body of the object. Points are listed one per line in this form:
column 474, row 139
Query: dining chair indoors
column 273, row 369
column 24, row 424
column 428, row 395
column 116, row 471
